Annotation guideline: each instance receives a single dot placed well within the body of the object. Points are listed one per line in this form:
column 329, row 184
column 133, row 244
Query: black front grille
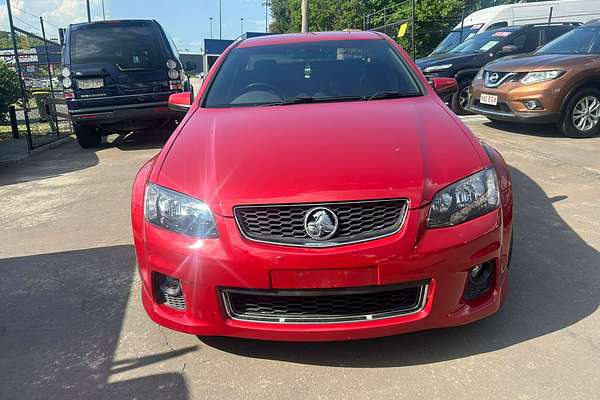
column 325, row 305
column 177, row 302
column 501, row 106
column 358, row 221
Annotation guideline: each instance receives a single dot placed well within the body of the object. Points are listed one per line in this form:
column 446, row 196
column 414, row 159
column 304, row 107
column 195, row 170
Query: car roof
column 594, row 22
column 113, row 22
column 309, row 37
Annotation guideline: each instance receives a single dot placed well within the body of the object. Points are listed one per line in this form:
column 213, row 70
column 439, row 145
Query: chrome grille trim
column 280, row 319
column 334, row 241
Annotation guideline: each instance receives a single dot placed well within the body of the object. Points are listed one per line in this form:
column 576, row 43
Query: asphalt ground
column 72, row 325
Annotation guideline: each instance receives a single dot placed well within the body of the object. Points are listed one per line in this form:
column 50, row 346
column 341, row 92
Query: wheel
column 88, row 137
column 460, row 100
column 581, row 116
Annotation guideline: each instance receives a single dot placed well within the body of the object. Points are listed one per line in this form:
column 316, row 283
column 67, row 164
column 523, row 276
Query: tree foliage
column 9, row 88
column 433, row 18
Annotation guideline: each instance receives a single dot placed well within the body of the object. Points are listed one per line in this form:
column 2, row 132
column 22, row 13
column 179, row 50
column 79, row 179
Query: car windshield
column 584, row 40
column 131, row 47
column 482, row 42
column 454, row 38
column 309, row 72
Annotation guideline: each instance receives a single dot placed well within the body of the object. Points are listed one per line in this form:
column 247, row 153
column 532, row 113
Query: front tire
column 460, row 100
column 581, row 116
column 88, row 137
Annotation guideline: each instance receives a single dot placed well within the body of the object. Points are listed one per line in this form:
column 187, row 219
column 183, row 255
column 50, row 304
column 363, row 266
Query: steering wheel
column 260, row 86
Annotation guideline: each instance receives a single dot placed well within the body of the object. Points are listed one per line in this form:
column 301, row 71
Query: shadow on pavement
column 539, row 130
column 48, row 164
column 554, row 283
column 61, row 316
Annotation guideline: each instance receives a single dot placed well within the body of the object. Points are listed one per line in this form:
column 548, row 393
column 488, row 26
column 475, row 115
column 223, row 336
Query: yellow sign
column 402, row 30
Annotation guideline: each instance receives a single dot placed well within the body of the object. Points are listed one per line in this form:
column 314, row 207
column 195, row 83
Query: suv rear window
column 132, row 47
column 321, row 71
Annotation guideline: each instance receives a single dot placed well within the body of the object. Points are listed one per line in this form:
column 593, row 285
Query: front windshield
column 483, row 42
column 584, row 40
column 311, row 71
column 454, row 38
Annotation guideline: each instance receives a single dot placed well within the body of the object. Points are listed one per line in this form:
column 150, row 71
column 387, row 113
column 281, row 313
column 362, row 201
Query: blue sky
column 187, row 21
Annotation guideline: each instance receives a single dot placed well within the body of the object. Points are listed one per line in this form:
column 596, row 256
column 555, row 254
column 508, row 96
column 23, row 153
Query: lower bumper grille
column 325, row 305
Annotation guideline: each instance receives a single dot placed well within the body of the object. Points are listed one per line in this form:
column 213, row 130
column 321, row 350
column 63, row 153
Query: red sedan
column 319, row 189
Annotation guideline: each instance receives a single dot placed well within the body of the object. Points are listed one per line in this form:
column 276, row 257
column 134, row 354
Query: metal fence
column 40, row 113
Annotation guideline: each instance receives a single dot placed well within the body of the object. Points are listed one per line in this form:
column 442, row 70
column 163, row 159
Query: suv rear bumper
column 116, row 114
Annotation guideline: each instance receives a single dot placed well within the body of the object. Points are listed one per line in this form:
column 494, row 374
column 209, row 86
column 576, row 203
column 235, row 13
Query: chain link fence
column 40, row 115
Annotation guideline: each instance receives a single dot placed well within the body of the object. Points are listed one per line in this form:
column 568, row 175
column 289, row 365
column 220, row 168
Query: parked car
column 528, row 13
column 559, row 83
column 464, row 61
column 319, row 189
column 117, row 77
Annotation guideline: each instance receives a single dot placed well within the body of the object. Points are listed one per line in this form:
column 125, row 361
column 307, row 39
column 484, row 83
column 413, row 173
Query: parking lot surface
column 72, row 324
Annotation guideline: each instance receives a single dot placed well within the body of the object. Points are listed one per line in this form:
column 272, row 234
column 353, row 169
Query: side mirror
column 508, row 49
column 190, row 66
column 180, row 102
column 444, row 87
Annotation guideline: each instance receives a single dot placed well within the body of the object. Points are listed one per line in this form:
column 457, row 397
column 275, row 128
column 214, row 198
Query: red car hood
column 407, row 148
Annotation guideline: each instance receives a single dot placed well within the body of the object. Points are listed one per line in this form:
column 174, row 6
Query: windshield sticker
column 488, row 45
column 501, row 34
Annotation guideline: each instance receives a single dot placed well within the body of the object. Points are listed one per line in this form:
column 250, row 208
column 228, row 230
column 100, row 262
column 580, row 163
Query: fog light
column 532, row 104
column 480, row 280
column 475, row 271
column 170, row 286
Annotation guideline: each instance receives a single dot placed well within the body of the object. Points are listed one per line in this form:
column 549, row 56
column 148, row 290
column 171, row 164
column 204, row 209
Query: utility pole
column 103, row 14
column 266, row 3
column 89, row 14
column 210, row 19
column 220, row 22
column 242, row 26
column 305, row 15
column 412, row 30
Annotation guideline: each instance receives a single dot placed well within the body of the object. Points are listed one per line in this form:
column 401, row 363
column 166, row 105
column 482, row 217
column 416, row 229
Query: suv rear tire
column 581, row 115
column 460, row 100
column 88, row 137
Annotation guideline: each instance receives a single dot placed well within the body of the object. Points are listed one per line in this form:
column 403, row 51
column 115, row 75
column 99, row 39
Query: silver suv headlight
column 434, row 68
column 466, row 199
column 178, row 212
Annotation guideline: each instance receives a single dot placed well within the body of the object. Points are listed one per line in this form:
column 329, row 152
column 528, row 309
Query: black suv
column 117, row 77
column 464, row 61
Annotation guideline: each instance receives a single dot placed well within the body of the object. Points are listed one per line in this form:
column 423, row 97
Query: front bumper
column 510, row 106
column 442, row 257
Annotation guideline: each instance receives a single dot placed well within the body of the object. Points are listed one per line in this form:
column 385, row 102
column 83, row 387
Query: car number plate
column 488, row 99
column 90, row 83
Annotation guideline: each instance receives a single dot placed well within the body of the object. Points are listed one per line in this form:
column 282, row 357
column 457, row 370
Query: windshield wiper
column 390, row 95
column 311, row 99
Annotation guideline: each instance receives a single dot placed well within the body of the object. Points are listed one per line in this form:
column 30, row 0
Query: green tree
column 433, row 18
column 9, row 89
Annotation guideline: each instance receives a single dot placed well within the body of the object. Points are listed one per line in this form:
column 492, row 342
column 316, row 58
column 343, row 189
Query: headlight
column 173, row 74
column 540, row 76
column 434, row 68
column 66, row 82
column 479, row 74
column 65, row 71
column 179, row 213
column 464, row 200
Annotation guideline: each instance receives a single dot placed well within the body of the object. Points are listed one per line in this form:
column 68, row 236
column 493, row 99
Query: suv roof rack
column 556, row 24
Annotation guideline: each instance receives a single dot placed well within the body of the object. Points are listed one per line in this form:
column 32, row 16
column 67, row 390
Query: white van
column 497, row 17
